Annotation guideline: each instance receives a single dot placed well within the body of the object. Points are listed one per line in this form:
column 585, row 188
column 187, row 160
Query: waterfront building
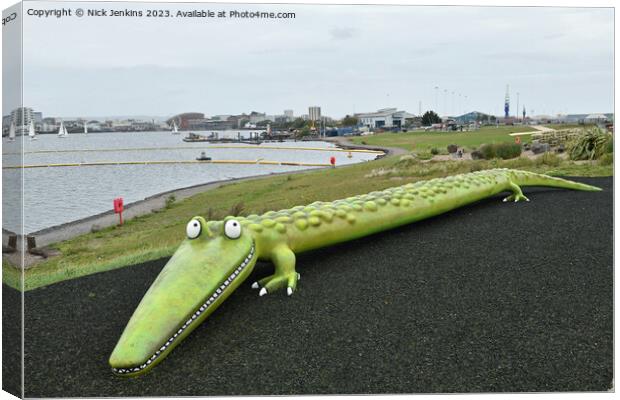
column 183, row 120
column 474, row 116
column 288, row 115
column 384, row 118
column 256, row 117
column 22, row 116
column 314, row 113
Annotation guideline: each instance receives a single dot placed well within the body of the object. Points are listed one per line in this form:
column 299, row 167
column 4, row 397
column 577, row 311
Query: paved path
column 539, row 128
column 345, row 143
column 491, row 297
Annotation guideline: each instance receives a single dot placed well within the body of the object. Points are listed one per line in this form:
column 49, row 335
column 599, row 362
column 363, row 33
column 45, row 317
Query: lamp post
column 517, row 107
column 436, row 99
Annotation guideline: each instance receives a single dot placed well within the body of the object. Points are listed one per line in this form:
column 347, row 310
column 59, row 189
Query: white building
column 384, row 118
column 260, row 117
column 314, row 113
column 289, row 115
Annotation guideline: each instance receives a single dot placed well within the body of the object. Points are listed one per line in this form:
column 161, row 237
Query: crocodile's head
column 208, row 266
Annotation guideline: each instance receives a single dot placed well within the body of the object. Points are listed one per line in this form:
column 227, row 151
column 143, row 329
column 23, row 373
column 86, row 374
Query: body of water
column 54, row 196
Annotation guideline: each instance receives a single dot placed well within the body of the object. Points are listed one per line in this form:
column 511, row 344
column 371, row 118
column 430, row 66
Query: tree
column 349, row 120
column 430, row 117
column 299, row 123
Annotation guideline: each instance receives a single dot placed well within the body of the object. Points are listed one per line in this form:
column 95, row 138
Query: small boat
column 203, row 157
column 85, row 128
column 175, row 129
column 31, row 133
column 62, row 131
column 12, row 133
column 349, row 155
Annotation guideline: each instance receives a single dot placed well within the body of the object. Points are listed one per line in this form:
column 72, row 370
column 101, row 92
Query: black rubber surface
column 491, row 297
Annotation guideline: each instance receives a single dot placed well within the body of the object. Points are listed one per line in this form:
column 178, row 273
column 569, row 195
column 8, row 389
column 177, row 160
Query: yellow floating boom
column 329, row 149
column 102, row 163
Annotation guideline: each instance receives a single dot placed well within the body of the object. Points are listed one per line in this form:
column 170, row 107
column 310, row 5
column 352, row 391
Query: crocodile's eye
column 232, row 229
column 193, row 229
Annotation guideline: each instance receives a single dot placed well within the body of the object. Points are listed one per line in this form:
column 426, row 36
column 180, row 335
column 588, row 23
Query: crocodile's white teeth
column 262, row 292
column 192, row 319
column 255, row 285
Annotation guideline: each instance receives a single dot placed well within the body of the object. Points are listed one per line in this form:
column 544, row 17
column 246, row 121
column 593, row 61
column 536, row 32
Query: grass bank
column 425, row 141
column 158, row 234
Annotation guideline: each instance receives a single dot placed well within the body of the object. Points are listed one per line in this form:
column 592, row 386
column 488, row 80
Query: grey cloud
column 343, row 58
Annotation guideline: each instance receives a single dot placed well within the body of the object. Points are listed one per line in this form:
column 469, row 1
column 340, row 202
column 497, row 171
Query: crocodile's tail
column 526, row 178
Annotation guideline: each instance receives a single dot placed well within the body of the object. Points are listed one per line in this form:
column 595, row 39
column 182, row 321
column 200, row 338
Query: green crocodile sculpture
column 218, row 256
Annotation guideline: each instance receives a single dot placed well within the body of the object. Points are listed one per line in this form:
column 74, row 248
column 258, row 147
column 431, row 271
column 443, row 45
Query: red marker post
column 332, row 161
column 118, row 208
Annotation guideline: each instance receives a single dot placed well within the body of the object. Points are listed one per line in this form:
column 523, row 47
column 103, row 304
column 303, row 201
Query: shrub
column 590, row 145
column 236, row 210
column 170, row 201
column 504, row 151
column 434, row 151
column 452, row 148
column 476, row 155
column 550, row 159
column 407, row 161
column 425, row 156
column 610, row 146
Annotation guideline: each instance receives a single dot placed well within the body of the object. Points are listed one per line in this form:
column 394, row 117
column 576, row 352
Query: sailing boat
column 31, row 133
column 175, row 130
column 12, row 132
column 62, row 131
column 85, row 128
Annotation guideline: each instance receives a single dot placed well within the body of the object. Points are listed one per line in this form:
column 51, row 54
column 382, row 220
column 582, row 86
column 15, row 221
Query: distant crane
column 507, row 103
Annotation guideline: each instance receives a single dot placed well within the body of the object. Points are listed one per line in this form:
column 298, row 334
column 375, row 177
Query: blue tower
column 507, row 104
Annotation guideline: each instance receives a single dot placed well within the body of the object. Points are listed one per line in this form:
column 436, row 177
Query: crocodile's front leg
column 285, row 275
column 517, row 194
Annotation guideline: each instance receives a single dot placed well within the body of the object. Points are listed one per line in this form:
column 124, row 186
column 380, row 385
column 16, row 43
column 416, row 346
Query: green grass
column 567, row 126
column 425, row 141
column 157, row 235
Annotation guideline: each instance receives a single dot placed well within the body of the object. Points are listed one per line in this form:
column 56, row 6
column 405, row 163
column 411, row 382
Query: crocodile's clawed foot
column 517, row 194
column 275, row 282
column 516, row 198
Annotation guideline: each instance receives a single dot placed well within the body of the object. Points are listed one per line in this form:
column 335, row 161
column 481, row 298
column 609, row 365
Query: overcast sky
column 343, row 58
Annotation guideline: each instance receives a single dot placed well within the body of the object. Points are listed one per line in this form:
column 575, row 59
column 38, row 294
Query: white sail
column 12, row 132
column 85, row 128
column 62, row 131
column 31, row 131
column 175, row 130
